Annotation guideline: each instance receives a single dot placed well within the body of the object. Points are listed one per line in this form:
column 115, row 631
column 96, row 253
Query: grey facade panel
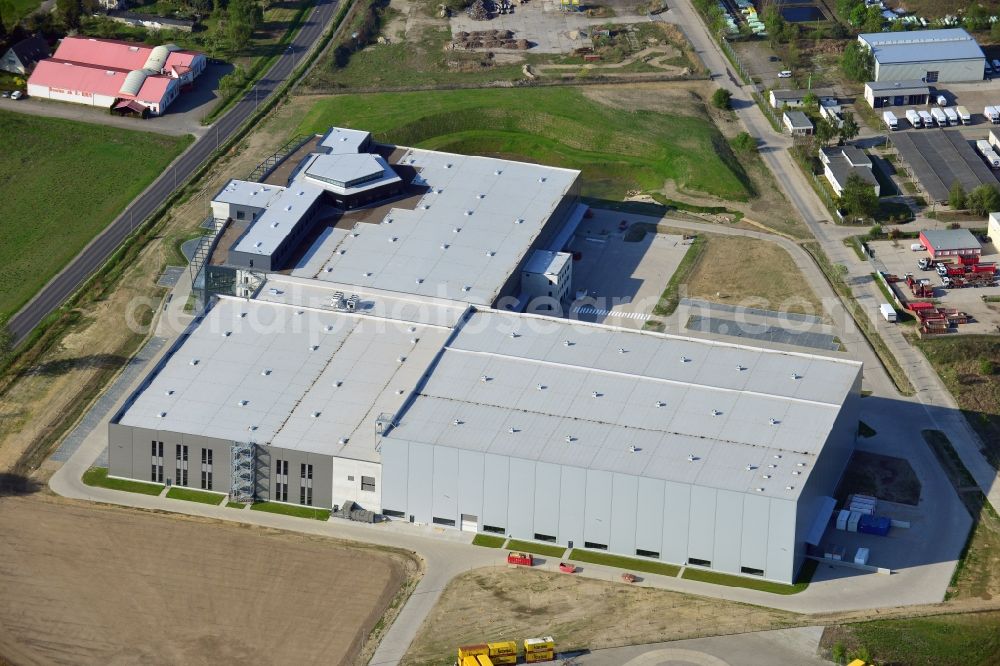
column 701, row 531
column 753, row 544
column 471, row 481
column 728, row 531
column 676, row 521
column 421, row 471
column 120, row 449
column 322, row 481
column 221, row 465
column 547, row 507
column 495, row 491
column 395, row 463
column 624, row 495
column 444, row 503
column 521, row 498
column 781, row 541
column 572, row 504
column 950, row 71
column 649, row 515
column 597, row 517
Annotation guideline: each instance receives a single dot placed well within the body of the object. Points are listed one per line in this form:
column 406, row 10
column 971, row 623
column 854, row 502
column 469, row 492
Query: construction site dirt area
column 95, row 584
column 501, row 604
column 884, row 477
column 897, row 258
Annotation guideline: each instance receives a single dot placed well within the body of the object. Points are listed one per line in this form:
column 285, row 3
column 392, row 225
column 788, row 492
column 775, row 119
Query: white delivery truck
column 986, row 150
column 914, row 118
column 926, row 118
column 888, row 312
column 942, row 100
column 889, row 118
column 952, row 115
column 964, row 115
column 992, row 114
column 993, row 139
column 939, row 118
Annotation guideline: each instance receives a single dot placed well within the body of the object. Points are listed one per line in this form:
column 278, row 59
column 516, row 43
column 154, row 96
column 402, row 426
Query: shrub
column 744, row 143
column 986, row 367
column 722, row 99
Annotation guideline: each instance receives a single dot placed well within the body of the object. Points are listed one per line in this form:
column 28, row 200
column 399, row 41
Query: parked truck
column 952, row 115
column 889, row 118
column 926, row 119
column 964, row 115
column 914, row 118
column 888, row 312
column 986, row 150
column 992, row 114
column 940, row 119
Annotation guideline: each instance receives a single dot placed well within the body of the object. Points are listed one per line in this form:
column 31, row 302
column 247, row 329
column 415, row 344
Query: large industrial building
column 950, row 55
column 115, row 75
column 381, row 362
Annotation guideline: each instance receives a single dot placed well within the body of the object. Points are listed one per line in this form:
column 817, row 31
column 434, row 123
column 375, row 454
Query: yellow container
column 546, row 643
column 473, row 650
column 503, row 659
column 536, row 657
column 484, row 660
column 469, row 661
column 502, row 648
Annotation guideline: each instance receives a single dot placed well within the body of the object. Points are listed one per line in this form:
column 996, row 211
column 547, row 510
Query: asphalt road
column 63, row 285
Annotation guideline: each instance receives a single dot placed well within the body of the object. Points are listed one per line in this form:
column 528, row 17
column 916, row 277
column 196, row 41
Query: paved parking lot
column 899, row 259
column 623, row 279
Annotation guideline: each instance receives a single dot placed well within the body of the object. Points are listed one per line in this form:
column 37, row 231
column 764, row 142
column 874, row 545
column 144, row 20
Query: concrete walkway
column 940, row 405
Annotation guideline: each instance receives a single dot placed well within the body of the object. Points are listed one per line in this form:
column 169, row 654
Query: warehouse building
column 949, row 55
column 115, row 75
column 688, row 451
column 950, row 243
column 432, row 404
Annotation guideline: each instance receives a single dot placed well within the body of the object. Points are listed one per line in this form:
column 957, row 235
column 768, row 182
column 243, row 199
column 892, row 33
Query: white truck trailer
column 926, row 118
column 964, row 115
column 952, row 115
column 992, row 114
column 889, row 314
column 914, row 118
column 940, row 119
column 889, row 118
column 986, row 150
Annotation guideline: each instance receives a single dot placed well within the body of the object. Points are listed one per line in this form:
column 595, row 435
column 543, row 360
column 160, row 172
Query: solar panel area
column 939, row 158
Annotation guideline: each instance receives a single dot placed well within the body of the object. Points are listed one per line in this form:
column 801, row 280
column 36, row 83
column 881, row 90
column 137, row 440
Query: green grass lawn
column 98, row 476
column 192, row 495
column 488, row 541
column 235, row 505
column 535, row 548
column 616, row 150
column 971, row 639
column 631, row 564
column 62, row 182
column 19, row 10
column 292, row 510
column 805, row 576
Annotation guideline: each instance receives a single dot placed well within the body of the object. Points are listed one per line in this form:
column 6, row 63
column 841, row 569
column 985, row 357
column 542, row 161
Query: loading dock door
column 470, row 523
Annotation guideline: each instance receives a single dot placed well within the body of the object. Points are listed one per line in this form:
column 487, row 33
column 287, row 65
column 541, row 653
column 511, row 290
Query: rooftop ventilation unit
column 773, row 421
column 740, row 368
column 796, row 376
column 759, row 490
column 777, row 455
column 338, row 384
column 540, row 387
column 766, row 476
column 511, row 430
column 570, row 438
column 194, row 361
column 265, row 372
column 660, row 403
column 342, row 441
column 226, row 334
column 519, row 220
column 692, row 457
column 484, row 379
column 315, row 415
column 716, row 412
column 169, row 391
column 685, row 359
column 632, row 449
column 160, row 415
column 621, row 350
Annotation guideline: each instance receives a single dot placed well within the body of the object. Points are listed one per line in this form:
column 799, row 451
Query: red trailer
column 566, row 567
column 990, row 268
column 520, row 559
column 968, row 259
column 919, row 306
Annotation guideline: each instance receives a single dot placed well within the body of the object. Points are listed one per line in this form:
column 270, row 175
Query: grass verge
column 235, row 505
column 715, row 578
column 98, row 477
column 44, row 227
column 671, row 293
column 487, row 541
column 560, row 126
column 292, row 510
column 629, row 563
column 885, row 355
column 192, row 495
column 536, row 548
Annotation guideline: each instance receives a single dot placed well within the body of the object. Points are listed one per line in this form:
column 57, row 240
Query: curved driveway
column 63, row 285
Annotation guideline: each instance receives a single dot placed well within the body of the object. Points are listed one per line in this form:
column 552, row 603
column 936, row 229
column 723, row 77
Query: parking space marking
column 591, row 310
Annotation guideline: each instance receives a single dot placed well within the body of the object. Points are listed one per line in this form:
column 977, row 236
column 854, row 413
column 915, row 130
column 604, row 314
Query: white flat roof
column 247, row 193
column 340, row 140
column 463, row 240
column 320, row 169
column 546, row 262
column 582, row 394
column 309, row 377
column 279, row 218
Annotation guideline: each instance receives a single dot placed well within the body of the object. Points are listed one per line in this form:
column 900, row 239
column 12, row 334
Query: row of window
column 180, row 465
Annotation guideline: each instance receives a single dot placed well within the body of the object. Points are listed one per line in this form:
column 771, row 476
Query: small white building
column 546, row 280
column 797, row 123
column 796, row 98
column 840, row 162
column 993, row 229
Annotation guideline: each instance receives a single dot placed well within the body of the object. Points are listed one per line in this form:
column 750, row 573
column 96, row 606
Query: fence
column 755, row 91
column 261, row 171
